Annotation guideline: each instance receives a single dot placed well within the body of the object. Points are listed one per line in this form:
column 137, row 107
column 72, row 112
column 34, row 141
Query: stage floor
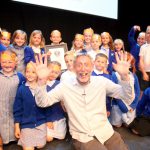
column 134, row 142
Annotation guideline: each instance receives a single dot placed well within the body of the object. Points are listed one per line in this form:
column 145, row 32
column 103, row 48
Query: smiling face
column 30, row 73
column 100, row 63
column 55, row 37
column 55, row 70
column 8, row 62
column 83, row 67
column 141, row 38
column 69, row 59
column 19, row 39
column 105, row 38
column 5, row 38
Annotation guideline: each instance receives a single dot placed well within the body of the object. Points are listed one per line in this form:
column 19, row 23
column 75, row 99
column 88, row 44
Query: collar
column 2, row 72
column 50, row 83
column 98, row 72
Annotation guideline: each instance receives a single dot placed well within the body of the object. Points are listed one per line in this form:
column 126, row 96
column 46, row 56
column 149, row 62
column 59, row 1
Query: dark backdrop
column 15, row 15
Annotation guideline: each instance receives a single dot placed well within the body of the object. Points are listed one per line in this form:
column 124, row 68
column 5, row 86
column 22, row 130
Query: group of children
column 21, row 118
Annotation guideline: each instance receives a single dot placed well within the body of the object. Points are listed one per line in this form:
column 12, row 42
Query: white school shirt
column 145, row 52
column 86, row 105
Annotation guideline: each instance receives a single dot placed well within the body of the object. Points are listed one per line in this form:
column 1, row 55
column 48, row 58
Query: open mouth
column 83, row 75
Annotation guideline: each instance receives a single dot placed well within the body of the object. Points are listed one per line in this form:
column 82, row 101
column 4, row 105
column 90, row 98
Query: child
column 30, row 120
column 118, row 45
column 141, row 124
column 88, row 33
column 108, row 49
column 136, row 44
column 2, row 48
column 121, row 112
column 55, row 37
column 9, row 81
column 69, row 73
column 95, row 43
column 5, row 37
column 19, row 41
column 36, row 46
column 56, row 122
column 78, row 44
column 100, row 67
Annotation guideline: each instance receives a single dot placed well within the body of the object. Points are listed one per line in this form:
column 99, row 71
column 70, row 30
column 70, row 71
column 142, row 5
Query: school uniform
column 29, row 54
column 31, row 118
column 111, row 58
column 141, row 123
column 120, row 110
column 56, row 115
column 135, row 50
column 8, row 91
column 19, row 50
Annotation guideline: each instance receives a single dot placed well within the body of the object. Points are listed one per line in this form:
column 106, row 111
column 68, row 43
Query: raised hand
column 41, row 68
column 137, row 28
column 122, row 66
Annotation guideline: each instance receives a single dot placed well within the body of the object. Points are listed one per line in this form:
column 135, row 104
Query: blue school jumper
column 143, row 107
column 25, row 110
column 119, row 102
column 111, row 59
column 134, row 47
column 29, row 54
column 54, row 112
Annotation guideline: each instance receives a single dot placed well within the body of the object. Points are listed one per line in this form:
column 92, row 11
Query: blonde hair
column 10, row 53
column 89, row 30
column 54, row 63
column 148, row 28
column 16, row 33
column 69, row 53
column 4, row 32
column 31, row 64
column 96, row 36
column 55, row 31
column 42, row 43
column 77, row 36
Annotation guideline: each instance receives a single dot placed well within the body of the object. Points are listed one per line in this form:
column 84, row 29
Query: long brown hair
column 130, row 57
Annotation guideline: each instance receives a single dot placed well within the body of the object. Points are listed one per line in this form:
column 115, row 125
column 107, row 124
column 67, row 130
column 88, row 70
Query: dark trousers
column 115, row 142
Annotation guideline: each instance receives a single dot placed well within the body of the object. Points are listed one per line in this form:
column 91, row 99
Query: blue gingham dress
column 8, row 88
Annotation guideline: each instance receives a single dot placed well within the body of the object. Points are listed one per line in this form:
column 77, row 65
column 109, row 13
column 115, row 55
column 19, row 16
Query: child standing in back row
column 5, row 37
column 19, row 42
column 88, row 33
column 36, row 46
column 55, row 37
column 108, row 49
column 77, row 44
